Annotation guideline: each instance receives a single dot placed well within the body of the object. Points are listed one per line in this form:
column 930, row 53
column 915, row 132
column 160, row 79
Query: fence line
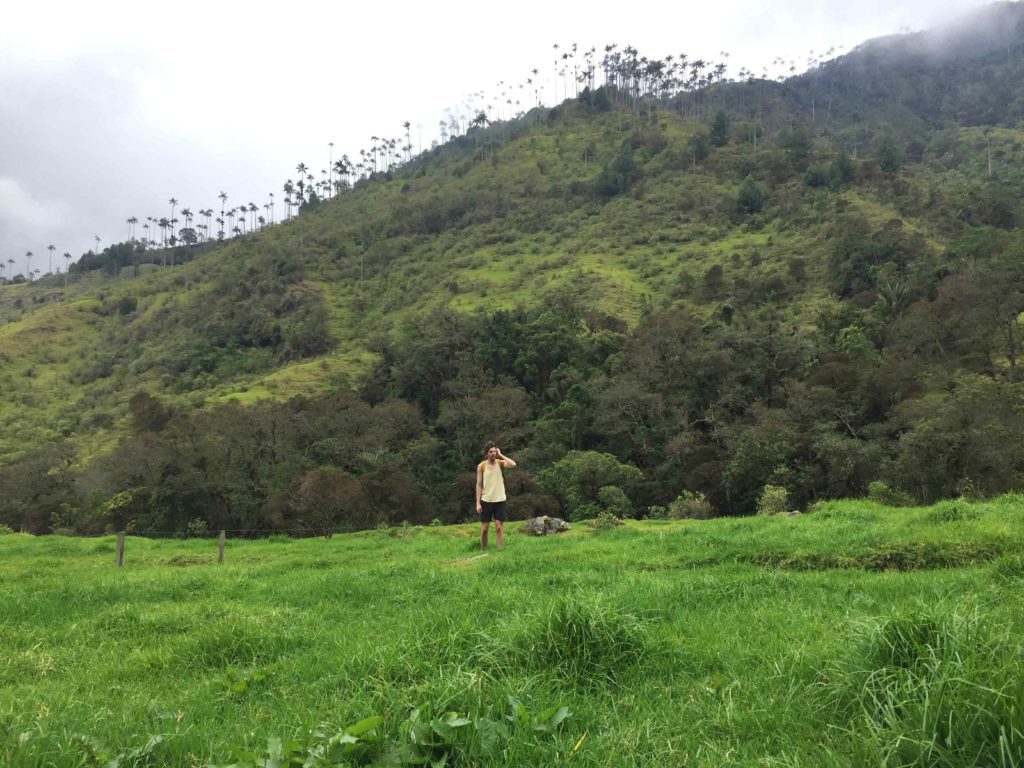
column 221, row 536
column 205, row 534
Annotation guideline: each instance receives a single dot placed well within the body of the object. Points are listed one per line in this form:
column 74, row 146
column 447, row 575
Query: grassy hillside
column 856, row 635
column 664, row 281
column 512, row 232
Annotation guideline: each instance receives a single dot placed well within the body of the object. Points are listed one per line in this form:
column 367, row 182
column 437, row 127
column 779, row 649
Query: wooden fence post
column 220, row 546
column 120, row 549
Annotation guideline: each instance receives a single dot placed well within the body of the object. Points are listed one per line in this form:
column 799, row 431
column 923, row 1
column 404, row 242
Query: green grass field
column 855, row 635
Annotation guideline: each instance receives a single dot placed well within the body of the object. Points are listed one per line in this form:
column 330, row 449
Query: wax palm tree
column 51, row 248
column 187, row 213
column 288, row 189
column 208, row 216
column 270, row 205
column 67, row 267
column 301, row 186
column 172, row 203
column 223, row 199
column 164, row 224
column 28, row 261
column 330, row 160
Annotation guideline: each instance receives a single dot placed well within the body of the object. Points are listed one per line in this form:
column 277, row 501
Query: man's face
column 492, row 453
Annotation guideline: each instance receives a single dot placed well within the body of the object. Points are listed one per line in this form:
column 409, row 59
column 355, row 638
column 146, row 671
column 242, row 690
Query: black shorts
column 493, row 510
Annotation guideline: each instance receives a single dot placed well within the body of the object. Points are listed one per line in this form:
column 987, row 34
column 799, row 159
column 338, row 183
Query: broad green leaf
column 489, row 733
column 455, row 720
column 364, row 725
column 551, row 719
column 243, row 756
column 443, row 729
column 275, row 750
column 422, row 733
column 518, row 710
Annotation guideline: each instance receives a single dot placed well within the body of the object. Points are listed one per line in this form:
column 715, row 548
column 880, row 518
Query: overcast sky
column 109, row 109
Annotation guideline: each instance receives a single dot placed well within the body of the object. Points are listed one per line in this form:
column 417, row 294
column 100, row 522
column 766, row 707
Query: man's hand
column 479, row 509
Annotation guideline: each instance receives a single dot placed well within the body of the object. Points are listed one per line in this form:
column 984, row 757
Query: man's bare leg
column 483, row 535
column 499, row 530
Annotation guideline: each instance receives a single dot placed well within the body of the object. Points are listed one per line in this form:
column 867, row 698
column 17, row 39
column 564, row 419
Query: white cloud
column 19, row 208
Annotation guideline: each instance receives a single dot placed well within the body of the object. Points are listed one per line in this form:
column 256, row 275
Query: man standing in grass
column 490, row 494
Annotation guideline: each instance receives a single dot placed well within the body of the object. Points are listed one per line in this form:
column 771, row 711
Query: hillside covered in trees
column 654, row 292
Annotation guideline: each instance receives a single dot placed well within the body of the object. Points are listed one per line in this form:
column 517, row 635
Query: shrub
column 127, row 305
column 966, row 490
column 605, row 521
column 842, row 170
column 750, row 198
column 5, row 529
column 586, row 511
column 816, row 176
column 657, row 513
column 614, row 501
column 720, row 124
column 578, row 477
column 774, row 500
column 690, row 505
column 196, row 528
column 699, row 146
column 881, row 493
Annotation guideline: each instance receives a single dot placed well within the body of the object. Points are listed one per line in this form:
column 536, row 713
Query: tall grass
column 933, row 687
column 771, row 641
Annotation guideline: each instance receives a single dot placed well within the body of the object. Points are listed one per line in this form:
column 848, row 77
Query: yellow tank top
column 494, row 483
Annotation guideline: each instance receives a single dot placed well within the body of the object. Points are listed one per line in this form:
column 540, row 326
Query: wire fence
column 242, row 533
column 238, row 532
column 220, row 536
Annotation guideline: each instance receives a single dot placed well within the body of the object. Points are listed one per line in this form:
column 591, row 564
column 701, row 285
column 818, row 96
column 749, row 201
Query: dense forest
column 691, row 300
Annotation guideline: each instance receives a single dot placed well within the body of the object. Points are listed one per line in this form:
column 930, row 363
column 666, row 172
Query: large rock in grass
column 542, row 526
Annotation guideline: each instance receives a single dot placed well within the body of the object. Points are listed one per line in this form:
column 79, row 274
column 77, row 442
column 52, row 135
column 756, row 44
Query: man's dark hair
column 488, row 445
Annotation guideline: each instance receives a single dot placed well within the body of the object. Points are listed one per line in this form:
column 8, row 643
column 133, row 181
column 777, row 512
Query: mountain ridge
column 584, row 227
